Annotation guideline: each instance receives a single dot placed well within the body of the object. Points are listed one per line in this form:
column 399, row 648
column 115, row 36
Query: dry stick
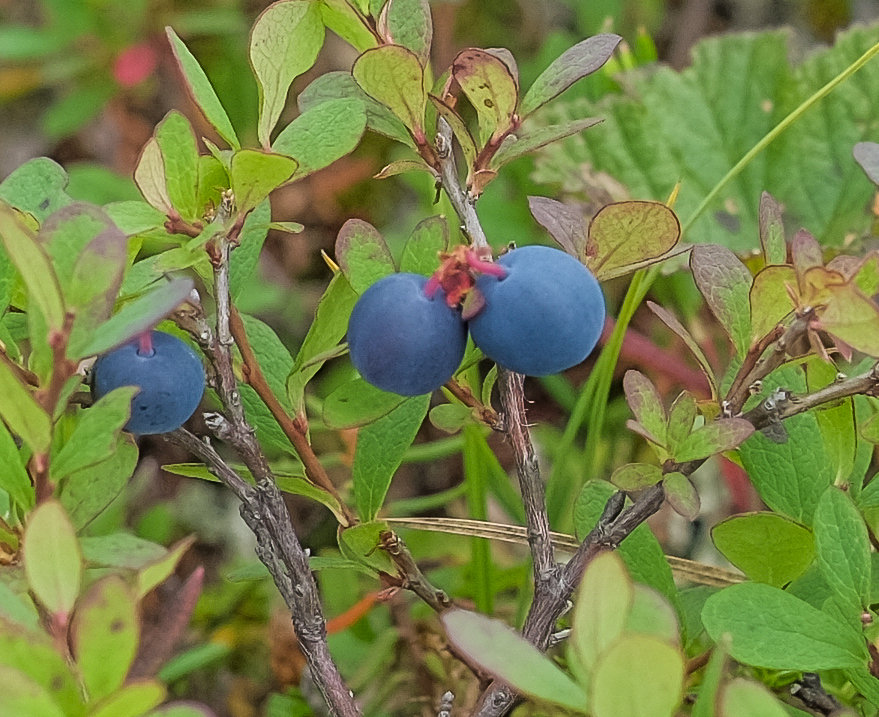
column 314, row 470
column 263, row 507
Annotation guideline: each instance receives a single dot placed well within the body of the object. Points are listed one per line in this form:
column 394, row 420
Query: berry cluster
column 169, row 374
column 535, row 311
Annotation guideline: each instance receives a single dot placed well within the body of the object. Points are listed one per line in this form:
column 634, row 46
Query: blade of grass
column 477, row 506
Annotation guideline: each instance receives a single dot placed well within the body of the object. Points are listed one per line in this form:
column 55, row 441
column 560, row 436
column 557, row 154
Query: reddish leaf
column 718, row 436
column 772, row 230
column 491, row 88
column 725, row 283
column 806, row 253
column 362, row 254
column 681, row 495
column 646, row 403
column 681, row 416
column 565, row 224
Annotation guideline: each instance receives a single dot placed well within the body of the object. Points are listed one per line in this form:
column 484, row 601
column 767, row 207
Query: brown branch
column 413, row 578
column 486, row 413
column 295, row 433
column 262, row 506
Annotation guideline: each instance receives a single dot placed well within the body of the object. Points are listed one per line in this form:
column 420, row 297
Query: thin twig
column 314, row 470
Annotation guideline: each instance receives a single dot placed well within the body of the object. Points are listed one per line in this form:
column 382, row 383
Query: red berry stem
column 145, row 344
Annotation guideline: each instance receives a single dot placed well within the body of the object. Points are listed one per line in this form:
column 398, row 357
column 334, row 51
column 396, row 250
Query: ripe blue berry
column 169, row 374
column 402, row 340
column 543, row 317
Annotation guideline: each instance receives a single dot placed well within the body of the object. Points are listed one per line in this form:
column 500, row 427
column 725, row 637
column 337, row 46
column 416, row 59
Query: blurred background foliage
column 85, row 81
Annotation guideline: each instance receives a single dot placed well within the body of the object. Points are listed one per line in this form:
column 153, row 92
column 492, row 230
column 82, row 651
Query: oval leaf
column 490, row 87
column 393, row 76
column 52, row 559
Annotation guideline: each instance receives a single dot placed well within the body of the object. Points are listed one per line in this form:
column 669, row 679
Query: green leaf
column 865, row 683
column 23, row 696
column 322, row 134
column 771, row 628
column 624, row 235
column 119, row 550
column 255, row 174
column 106, row 624
column 851, row 316
column 245, row 258
column 326, row 331
column 646, row 404
column 85, row 493
column 14, row 478
column 134, row 318
column 491, row 89
column 772, row 238
column 652, row 615
column 176, row 141
column 362, row 254
column 721, row 435
column 358, row 403
column 743, row 697
column 636, row 476
column 131, row 700
column 459, row 130
column 766, row 547
column 393, row 76
column 515, row 146
column 97, row 429
column 681, row 495
column 770, row 300
column 379, row 452
column 837, row 424
column 32, row 653
column 52, row 560
column 273, row 357
column 842, row 546
column 726, row 284
column 21, row 412
column 582, row 59
column 681, row 417
column 361, row 542
column 737, row 88
column 497, row 649
column 37, row 187
column 32, row 262
column 408, row 23
column 149, row 176
column 422, row 249
column 159, row 570
column 706, row 701
column 284, row 43
column 347, row 21
column 639, row 676
column 450, row 417
column 792, row 476
column 602, row 608
column 341, row 85
column 202, row 91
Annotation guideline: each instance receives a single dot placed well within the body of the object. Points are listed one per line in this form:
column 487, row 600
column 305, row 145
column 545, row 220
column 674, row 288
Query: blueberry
column 170, row 377
column 403, row 341
column 543, row 317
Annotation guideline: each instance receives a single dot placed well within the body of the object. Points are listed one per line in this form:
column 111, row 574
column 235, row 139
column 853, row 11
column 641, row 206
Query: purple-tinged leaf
column 459, row 129
column 645, row 402
column 284, row 43
column 161, row 635
column 725, row 283
column 565, row 224
column 507, row 655
column 582, row 59
column 202, row 91
column 772, row 230
column 362, row 254
column 681, row 495
column 491, row 88
column 721, row 435
column 393, row 76
column 636, row 476
column 421, row 251
column 401, row 166
column 623, row 234
column 806, row 254
column 515, row 146
column 677, row 327
column 770, row 299
column 867, row 155
column 852, row 317
column 408, row 23
column 681, row 416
